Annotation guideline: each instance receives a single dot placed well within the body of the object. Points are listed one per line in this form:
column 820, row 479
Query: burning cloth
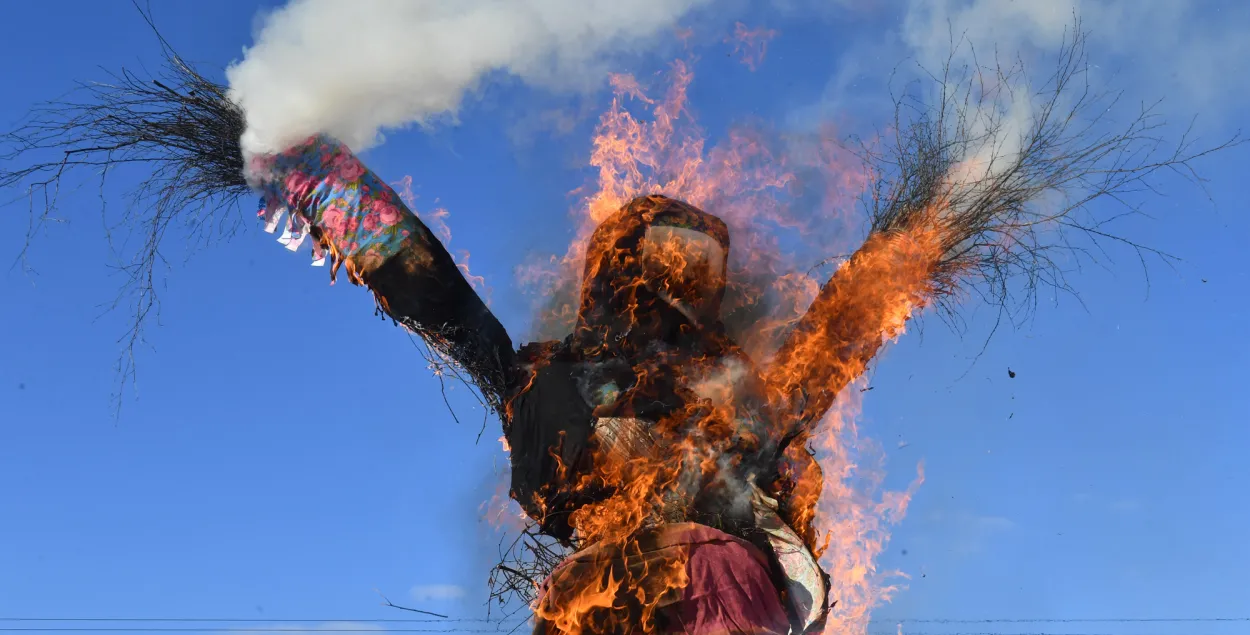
column 728, row 587
column 659, row 453
column 647, row 425
column 649, row 388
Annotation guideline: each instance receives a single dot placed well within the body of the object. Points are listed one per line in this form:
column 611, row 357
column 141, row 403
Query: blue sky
column 289, row 453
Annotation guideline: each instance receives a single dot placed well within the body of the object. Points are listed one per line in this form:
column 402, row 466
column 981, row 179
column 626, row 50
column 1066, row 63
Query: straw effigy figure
column 671, row 466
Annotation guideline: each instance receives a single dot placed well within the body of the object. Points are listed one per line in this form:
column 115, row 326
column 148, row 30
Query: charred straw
column 183, row 132
column 526, row 562
column 1019, row 216
column 181, row 123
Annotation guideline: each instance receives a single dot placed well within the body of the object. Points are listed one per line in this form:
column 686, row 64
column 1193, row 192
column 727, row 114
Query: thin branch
column 387, row 602
column 180, row 125
column 1012, row 195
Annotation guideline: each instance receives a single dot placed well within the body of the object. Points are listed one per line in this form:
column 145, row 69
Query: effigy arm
column 363, row 225
column 867, row 301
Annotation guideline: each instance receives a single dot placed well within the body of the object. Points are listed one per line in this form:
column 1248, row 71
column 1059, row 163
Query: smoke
column 354, row 69
column 1192, row 53
column 987, row 26
column 985, row 39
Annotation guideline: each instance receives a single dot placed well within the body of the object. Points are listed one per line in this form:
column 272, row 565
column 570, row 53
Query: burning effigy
column 673, row 466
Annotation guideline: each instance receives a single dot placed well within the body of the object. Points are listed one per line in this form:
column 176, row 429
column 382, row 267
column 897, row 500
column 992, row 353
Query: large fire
column 785, row 200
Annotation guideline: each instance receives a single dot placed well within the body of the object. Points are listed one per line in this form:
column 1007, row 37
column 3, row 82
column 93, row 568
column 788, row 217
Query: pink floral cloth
column 327, row 191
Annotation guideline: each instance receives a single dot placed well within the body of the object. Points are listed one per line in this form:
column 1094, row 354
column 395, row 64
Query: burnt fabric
column 728, row 590
column 548, row 439
column 623, row 360
column 553, row 429
column 328, row 193
column 617, row 316
column 685, row 268
column 805, row 585
column 628, row 357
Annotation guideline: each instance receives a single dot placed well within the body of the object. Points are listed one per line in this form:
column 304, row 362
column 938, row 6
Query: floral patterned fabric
column 326, row 191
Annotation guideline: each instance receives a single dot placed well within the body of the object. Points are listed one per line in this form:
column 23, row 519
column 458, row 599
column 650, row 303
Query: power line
column 418, row 630
column 501, row 620
column 236, row 629
column 1071, row 620
column 252, row 620
column 501, row 625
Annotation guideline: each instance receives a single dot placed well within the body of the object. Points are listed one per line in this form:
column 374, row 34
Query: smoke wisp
column 354, row 69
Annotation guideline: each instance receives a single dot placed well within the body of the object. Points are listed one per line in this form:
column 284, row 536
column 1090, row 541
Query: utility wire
column 881, row 620
column 1072, row 620
column 493, row 625
column 237, row 629
column 423, row 630
column 252, row 620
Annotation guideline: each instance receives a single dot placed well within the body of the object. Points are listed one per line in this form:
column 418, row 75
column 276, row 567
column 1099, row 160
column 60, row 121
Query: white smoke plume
column 986, row 37
column 352, row 69
column 1191, row 54
column 1188, row 53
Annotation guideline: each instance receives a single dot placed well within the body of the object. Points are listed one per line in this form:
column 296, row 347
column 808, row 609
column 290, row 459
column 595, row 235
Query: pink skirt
column 730, row 591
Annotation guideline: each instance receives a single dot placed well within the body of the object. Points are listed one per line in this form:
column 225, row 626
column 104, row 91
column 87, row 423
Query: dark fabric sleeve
column 549, row 438
column 422, row 288
column 365, row 226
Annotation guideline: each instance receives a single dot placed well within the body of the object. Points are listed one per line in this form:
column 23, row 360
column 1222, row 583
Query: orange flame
column 749, row 181
column 784, row 200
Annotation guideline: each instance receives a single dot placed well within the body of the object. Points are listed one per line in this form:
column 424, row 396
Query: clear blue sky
column 289, row 452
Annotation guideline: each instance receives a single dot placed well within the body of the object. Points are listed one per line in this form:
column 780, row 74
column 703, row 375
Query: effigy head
column 654, row 265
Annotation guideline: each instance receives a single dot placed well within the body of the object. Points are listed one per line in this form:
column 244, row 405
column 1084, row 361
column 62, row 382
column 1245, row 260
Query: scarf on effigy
column 327, row 192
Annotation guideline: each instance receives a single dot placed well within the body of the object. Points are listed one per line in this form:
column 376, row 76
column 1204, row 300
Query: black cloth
column 552, row 436
column 551, row 427
column 625, row 356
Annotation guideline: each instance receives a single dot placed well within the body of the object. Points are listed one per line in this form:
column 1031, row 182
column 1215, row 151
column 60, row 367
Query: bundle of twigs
column 985, row 184
column 183, row 131
column 524, row 565
column 180, row 125
column 1013, row 212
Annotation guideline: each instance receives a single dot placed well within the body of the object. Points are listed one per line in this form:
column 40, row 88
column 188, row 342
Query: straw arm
column 867, row 300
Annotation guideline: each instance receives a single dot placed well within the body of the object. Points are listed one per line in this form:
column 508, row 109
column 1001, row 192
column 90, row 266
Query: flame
column 750, row 45
column 751, row 181
column 866, row 303
column 502, row 513
column 853, row 517
column 785, row 200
